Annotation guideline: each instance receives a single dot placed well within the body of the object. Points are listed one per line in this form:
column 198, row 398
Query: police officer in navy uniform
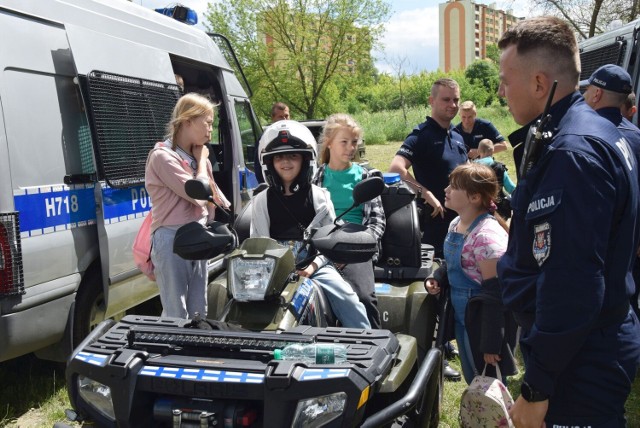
column 473, row 130
column 607, row 92
column 566, row 274
column 434, row 148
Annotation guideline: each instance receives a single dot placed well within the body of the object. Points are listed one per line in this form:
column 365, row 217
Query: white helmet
column 288, row 136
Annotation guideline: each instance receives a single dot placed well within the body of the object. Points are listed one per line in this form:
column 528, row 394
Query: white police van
column 618, row 46
column 86, row 88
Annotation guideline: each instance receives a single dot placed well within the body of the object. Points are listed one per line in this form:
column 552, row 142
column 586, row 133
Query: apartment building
column 466, row 28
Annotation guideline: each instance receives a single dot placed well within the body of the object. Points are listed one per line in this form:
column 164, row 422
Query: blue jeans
column 182, row 283
column 343, row 300
column 459, row 299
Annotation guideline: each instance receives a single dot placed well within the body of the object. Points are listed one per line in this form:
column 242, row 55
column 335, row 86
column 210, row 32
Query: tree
column 493, row 53
column 292, row 51
column 484, row 75
column 590, row 17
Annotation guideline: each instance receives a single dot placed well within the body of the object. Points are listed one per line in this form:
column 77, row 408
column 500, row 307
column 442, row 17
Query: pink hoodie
column 165, row 175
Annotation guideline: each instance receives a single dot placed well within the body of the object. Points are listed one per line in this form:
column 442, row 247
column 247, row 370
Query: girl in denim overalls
column 477, row 238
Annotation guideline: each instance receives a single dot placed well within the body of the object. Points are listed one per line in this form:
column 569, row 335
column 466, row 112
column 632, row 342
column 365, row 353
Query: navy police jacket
column 573, row 238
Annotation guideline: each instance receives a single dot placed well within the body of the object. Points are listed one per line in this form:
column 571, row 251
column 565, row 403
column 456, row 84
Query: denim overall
column 462, row 289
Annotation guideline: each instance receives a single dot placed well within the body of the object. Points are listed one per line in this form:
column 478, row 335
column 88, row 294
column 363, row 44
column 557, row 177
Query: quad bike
column 153, row 371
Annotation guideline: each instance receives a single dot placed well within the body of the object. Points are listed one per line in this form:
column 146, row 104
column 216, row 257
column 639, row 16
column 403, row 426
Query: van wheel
column 89, row 310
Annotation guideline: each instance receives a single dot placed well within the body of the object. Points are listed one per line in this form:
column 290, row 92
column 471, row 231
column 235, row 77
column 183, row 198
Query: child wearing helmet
column 291, row 206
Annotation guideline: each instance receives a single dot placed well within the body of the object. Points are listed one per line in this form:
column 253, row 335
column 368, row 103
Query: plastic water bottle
column 313, row 353
column 391, row 178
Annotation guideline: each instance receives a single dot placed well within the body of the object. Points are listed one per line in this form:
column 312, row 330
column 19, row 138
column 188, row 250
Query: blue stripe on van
column 50, row 209
column 53, row 208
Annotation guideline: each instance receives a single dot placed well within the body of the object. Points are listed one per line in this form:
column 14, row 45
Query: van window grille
column 84, row 142
column 610, row 54
column 128, row 115
column 11, row 272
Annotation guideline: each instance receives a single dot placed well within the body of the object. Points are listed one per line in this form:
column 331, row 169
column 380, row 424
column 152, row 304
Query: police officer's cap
column 611, row 78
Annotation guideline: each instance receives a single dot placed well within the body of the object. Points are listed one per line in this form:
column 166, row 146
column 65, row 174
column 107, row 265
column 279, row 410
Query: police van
column 86, row 89
column 618, row 46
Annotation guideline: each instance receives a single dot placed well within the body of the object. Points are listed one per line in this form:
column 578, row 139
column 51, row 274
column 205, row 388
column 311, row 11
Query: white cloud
column 411, row 38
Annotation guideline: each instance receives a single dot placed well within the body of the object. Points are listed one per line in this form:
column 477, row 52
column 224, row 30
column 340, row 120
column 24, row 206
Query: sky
column 411, row 35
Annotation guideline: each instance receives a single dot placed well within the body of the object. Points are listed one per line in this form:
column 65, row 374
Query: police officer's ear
column 543, row 85
column 596, row 96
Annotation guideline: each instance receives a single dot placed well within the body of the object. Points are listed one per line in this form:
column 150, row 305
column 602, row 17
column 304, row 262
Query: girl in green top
column 338, row 174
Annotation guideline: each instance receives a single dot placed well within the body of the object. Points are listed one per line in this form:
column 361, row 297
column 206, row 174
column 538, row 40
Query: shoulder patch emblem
column 541, row 242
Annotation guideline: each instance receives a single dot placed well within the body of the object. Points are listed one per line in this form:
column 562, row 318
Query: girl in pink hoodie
column 182, row 156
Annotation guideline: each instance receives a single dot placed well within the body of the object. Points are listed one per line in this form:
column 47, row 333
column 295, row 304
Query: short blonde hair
column 468, row 105
column 188, row 107
column 335, row 122
column 485, row 147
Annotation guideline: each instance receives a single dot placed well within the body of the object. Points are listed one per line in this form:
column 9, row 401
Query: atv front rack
column 166, row 340
column 158, row 367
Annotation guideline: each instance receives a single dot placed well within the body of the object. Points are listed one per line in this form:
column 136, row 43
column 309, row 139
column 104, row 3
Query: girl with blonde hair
column 338, row 174
column 181, row 157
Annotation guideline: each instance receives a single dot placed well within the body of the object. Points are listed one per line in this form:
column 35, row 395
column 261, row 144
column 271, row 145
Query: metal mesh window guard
column 611, row 54
column 11, row 270
column 129, row 115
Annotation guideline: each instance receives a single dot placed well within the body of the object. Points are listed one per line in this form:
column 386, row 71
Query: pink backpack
column 142, row 249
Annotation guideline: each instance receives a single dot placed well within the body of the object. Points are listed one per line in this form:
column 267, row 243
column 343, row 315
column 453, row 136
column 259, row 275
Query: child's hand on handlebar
column 308, row 271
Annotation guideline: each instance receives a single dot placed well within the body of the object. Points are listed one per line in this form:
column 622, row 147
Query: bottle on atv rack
column 152, row 371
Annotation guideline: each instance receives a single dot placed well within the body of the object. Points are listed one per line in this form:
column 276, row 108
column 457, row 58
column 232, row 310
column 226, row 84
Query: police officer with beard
column 566, row 274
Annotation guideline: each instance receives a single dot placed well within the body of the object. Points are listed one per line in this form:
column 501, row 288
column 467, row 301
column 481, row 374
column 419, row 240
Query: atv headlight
column 319, row 411
column 96, row 395
column 250, row 279
column 258, row 269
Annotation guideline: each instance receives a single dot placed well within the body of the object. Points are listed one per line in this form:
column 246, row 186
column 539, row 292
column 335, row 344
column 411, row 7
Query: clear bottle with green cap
column 313, row 353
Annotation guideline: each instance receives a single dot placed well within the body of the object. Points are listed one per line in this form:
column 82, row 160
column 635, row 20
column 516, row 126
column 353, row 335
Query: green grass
column 34, row 387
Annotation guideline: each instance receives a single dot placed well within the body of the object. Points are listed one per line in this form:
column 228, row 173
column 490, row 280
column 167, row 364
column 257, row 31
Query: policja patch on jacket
column 541, row 242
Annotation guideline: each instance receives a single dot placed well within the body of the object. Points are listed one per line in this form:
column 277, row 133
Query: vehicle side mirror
column 198, row 189
column 367, row 189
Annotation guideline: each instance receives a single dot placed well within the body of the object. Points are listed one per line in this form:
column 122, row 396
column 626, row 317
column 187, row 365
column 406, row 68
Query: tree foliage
column 302, row 52
column 590, row 17
column 484, row 75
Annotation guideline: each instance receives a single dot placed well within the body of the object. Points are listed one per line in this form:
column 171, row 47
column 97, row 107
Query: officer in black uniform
column 566, row 274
